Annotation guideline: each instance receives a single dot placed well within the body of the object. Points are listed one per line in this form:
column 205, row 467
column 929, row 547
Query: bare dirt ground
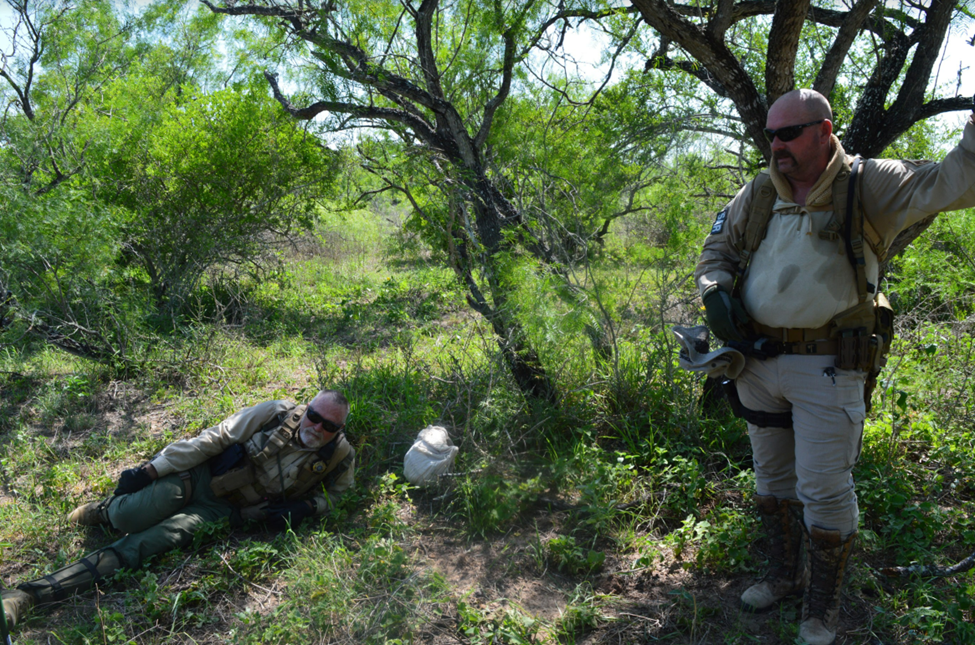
column 666, row 603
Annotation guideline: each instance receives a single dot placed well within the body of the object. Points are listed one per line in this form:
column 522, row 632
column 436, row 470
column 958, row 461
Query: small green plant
column 569, row 557
column 255, row 560
column 509, row 626
column 721, row 542
column 684, row 482
column 284, row 626
column 389, row 496
column 582, row 613
column 492, row 502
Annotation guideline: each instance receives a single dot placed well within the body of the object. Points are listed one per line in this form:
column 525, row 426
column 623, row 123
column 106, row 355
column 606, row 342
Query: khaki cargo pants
column 159, row 517
column 812, row 461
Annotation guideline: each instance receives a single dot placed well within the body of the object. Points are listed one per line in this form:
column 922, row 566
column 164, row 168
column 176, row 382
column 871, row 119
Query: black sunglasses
column 327, row 426
column 789, row 132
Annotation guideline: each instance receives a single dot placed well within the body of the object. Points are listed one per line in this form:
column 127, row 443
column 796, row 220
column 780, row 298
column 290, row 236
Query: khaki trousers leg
column 812, row 461
column 159, row 517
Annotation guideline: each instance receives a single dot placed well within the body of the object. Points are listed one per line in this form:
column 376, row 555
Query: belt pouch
column 233, row 480
column 846, row 357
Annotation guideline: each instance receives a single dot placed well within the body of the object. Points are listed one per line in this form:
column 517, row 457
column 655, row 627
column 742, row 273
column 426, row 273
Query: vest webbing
column 240, row 486
column 845, row 199
column 281, row 436
column 330, row 466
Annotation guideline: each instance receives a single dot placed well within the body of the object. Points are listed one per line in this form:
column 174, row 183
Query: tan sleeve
column 186, row 453
column 897, row 193
column 718, row 263
column 325, row 501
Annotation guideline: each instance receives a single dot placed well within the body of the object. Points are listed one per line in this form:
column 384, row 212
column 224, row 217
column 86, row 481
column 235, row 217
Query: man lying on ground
column 273, row 462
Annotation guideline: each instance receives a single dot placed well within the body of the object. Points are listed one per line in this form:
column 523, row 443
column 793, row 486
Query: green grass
column 619, row 490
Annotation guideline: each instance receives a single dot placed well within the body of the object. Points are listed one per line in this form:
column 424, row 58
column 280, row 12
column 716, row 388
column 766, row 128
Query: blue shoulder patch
column 719, row 222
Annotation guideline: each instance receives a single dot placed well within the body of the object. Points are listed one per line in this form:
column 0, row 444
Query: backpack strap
column 853, row 224
column 763, row 199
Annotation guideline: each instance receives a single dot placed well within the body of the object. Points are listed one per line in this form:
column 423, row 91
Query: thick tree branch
column 424, row 47
column 661, row 61
column 828, row 17
column 941, row 106
column 783, row 43
column 255, row 10
column 873, row 127
column 418, row 126
column 929, row 37
column 849, row 28
column 721, row 20
column 22, row 96
column 717, row 58
column 492, row 106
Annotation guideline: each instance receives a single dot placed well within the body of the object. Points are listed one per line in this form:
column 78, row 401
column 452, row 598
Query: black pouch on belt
column 226, row 460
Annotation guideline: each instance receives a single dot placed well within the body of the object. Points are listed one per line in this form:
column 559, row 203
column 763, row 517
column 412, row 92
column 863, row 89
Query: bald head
column 804, row 105
column 799, row 128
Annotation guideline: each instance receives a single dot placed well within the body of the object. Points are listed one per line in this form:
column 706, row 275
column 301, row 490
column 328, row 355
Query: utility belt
column 859, row 338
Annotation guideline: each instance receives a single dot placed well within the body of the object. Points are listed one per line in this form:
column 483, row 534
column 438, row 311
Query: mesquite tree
column 435, row 75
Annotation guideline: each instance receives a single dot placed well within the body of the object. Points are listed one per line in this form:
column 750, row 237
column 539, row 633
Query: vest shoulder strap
column 845, row 192
column 763, row 199
column 280, row 437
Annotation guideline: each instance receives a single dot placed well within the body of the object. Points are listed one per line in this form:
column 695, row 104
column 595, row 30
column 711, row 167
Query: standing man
column 786, row 270
column 273, row 462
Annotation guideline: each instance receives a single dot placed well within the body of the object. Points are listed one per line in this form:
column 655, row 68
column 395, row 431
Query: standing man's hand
column 135, row 479
column 725, row 314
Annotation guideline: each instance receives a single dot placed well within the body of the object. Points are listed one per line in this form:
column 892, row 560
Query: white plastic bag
column 431, row 455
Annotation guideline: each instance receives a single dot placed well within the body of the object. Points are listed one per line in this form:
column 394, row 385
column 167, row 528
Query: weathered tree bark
column 910, row 38
column 429, row 115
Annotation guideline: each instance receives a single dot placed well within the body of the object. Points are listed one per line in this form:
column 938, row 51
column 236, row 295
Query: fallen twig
column 930, row 570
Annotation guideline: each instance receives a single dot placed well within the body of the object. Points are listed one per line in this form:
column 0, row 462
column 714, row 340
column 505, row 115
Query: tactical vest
column 861, row 335
column 241, row 485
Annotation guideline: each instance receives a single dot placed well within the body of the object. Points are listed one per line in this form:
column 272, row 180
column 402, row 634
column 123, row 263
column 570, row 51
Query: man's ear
column 826, row 128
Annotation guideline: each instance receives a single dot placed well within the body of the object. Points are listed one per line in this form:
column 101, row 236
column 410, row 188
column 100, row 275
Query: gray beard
column 310, row 439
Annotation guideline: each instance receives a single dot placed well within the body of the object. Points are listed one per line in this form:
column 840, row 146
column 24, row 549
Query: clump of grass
column 347, row 591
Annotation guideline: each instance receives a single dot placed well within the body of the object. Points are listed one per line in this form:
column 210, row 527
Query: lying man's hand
column 134, row 479
column 279, row 513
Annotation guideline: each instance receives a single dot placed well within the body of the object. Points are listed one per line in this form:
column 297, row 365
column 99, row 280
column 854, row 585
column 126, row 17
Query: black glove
column 726, row 315
column 132, row 480
column 280, row 513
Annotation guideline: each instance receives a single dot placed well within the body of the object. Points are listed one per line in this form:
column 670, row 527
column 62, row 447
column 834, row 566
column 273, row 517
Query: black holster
column 755, row 417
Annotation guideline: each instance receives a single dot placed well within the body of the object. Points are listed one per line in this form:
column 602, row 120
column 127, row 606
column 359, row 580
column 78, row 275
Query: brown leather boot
column 16, row 604
column 829, row 555
column 92, row 513
column 786, row 576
